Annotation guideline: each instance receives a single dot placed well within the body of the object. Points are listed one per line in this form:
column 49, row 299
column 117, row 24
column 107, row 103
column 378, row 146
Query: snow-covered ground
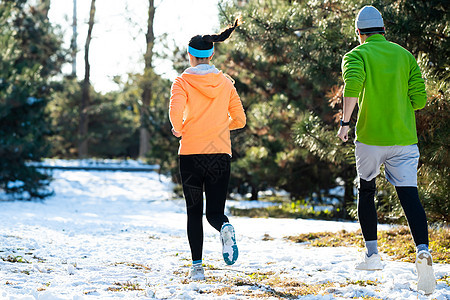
column 104, row 232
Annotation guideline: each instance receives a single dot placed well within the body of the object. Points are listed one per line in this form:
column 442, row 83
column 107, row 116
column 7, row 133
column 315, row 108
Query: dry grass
column 445, row 279
column 15, row 259
column 134, row 266
column 264, row 285
column 125, row 287
column 269, row 284
column 396, row 242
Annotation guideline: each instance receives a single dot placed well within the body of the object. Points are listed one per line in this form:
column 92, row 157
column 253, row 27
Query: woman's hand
column 176, row 133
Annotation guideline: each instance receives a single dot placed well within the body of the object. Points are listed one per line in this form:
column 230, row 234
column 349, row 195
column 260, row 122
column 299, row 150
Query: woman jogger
column 204, row 107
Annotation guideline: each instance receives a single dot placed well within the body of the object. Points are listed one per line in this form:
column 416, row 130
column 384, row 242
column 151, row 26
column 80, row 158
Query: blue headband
column 200, row 53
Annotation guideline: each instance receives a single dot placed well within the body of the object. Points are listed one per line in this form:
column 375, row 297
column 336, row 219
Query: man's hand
column 175, row 133
column 347, row 109
column 343, row 133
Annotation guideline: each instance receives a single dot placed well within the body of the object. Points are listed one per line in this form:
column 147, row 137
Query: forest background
column 285, row 60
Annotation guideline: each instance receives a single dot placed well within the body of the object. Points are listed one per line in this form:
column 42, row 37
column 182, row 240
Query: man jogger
column 386, row 82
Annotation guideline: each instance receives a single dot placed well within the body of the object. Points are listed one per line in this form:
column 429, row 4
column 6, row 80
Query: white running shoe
column 370, row 263
column 197, row 272
column 229, row 248
column 424, row 265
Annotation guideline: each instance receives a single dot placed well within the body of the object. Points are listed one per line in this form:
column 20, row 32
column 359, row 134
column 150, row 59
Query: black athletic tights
column 209, row 173
column 409, row 199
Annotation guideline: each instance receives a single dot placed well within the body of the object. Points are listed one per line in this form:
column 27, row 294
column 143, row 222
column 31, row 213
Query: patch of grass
column 296, row 209
column 330, row 239
column 90, row 292
column 125, row 287
column 396, row 242
column 260, row 276
column 445, row 279
column 39, row 260
column 182, row 273
column 364, row 282
column 267, row 237
column 185, row 281
column 15, row 259
column 134, row 266
column 210, row 267
column 294, row 289
column 270, row 288
column 265, row 285
column 44, row 287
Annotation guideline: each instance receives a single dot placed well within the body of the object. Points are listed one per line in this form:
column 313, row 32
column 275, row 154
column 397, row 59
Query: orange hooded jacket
column 204, row 107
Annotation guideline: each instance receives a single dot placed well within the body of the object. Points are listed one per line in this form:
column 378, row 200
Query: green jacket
column 387, row 80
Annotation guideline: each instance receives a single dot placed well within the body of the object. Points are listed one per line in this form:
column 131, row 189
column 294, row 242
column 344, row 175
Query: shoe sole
column 427, row 281
column 229, row 248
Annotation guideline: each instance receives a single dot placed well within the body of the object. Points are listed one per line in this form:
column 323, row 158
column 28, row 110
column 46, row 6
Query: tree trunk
column 255, row 191
column 73, row 44
column 144, row 134
column 85, row 96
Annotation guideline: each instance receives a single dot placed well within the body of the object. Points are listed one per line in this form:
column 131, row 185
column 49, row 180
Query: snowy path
column 104, row 233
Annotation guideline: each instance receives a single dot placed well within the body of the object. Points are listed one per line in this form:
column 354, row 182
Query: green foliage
column 30, row 55
column 422, row 27
column 125, row 287
column 434, row 189
column 294, row 209
column 164, row 146
column 15, row 259
column 312, row 134
column 286, row 60
column 63, row 111
column 433, row 128
column 112, row 123
column 114, row 120
column 320, row 140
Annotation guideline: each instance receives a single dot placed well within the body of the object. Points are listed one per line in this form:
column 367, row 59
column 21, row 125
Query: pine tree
column 30, row 55
column 286, row 62
column 112, row 123
column 285, row 58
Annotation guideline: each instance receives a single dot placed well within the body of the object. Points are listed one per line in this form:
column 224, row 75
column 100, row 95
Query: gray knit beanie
column 369, row 17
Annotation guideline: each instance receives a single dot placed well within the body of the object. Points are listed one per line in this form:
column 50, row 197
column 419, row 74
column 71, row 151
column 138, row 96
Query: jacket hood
column 205, row 78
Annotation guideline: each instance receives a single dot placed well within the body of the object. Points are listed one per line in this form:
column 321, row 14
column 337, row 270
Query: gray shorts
column 400, row 163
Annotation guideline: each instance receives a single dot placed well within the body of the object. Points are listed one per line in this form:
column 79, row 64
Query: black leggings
column 409, row 199
column 209, row 173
